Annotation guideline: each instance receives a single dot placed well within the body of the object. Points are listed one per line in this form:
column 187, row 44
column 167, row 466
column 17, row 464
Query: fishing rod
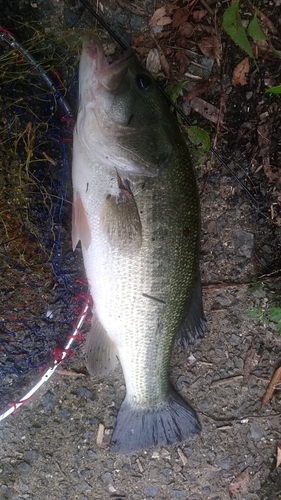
column 124, row 45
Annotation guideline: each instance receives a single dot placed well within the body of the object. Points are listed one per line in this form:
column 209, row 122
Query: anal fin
column 193, row 328
column 100, row 351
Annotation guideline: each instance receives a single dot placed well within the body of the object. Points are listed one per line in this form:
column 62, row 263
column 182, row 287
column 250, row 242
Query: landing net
column 40, row 296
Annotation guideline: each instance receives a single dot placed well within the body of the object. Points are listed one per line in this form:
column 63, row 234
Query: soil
column 56, row 445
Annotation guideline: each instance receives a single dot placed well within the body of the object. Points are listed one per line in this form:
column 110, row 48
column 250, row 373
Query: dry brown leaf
column 271, row 387
column 201, row 88
column 211, row 47
column 186, row 30
column 240, row 73
column 198, row 15
column 262, row 49
column 180, row 17
column 269, row 24
column 182, row 61
column 278, row 458
column 240, row 483
column 208, row 29
column 205, row 109
column 153, row 63
column 160, row 18
column 164, row 63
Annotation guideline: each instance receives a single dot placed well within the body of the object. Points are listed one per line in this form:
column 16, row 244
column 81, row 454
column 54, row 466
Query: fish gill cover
column 39, row 293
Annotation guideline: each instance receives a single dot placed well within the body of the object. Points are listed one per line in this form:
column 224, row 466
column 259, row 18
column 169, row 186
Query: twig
column 223, row 381
column 248, row 363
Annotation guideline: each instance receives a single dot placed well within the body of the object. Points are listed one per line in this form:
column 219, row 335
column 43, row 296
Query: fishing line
column 124, row 45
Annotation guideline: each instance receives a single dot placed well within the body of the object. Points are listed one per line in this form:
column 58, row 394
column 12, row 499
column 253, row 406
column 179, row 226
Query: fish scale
column 136, row 212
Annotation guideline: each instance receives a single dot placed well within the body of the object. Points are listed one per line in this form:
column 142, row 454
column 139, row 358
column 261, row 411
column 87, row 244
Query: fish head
column 124, row 120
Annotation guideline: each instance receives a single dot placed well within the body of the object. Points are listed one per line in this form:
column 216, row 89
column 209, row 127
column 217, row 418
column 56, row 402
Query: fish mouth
column 111, row 76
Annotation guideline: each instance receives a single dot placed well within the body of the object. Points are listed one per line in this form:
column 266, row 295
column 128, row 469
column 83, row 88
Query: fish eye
column 144, row 82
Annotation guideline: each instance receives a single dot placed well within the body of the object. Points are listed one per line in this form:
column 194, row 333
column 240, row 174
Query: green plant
column 232, row 24
column 265, row 314
column 274, row 90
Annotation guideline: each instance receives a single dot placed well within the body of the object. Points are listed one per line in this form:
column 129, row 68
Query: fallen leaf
column 182, row 61
column 164, row 63
column 201, row 88
column 278, row 458
column 153, row 63
column 160, row 18
column 211, row 47
column 271, row 387
column 208, row 29
column 186, row 30
column 240, row 73
column 198, row 15
column 248, row 363
column 205, row 109
column 240, row 483
column 269, row 24
column 262, row 49
column 180, row 17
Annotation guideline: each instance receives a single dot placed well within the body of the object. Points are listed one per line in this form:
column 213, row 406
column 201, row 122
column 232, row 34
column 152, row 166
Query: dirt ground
column 49, row 447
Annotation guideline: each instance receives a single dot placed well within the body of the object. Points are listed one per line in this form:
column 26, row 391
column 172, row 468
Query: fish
column 136, row 213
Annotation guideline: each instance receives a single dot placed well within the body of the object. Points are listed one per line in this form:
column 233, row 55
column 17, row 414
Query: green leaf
column 279, row 327
column 174, row 91
column 276, row 53
column 274, row 90
column 233, row 26
column 256, row 288
column 199, row 138
column 255, row 30
column 275, row 314
column 253, row 314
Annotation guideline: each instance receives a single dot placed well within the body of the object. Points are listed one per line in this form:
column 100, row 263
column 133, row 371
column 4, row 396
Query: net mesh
column 39, row 291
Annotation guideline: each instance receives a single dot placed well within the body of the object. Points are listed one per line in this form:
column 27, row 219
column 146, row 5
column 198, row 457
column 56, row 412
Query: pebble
column 23, row 468
column 31, row 455
column 244, row 243
column 84, row 392
column 151, row 491
column 6, row 493
column 65, row 413
column 204, row 405
column 135, row 22
column 256, row 431
column 179, row 494
column 224, row 464
column 234, row 340
column 49, row 400
column 71, row 18
column 107, row 478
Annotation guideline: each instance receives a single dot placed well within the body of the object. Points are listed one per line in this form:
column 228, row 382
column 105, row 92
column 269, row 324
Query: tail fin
column 172, row 421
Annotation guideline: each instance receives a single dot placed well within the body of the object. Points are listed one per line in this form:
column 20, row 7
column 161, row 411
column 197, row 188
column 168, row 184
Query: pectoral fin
column 100, row 351
column 193, row 327
column 80, row 227
column 120, row 220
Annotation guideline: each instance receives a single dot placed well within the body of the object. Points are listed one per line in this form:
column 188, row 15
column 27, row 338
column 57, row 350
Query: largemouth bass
column 136, row 212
